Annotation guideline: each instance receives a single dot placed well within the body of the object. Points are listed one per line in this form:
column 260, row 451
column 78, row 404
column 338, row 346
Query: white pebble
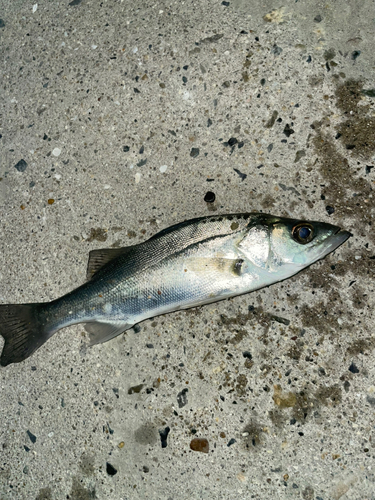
column 137, row 177
column 357, row 257
column 57, row 177
column 94, row 47
column 56, row 152
column 35, row 6
column 163, row 168
column 107, row 186
column 135, row 50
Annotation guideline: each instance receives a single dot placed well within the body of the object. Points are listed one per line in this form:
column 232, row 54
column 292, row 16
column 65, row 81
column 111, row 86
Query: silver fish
column 189, row 264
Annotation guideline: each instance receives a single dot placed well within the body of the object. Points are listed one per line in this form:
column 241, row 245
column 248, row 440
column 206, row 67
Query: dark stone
column 209, row 197
column 368, row 168
column 356, row 54
column 31, row 436
column 136, row 90
column 136, row 389
column 231, row 441
column 75, row 2
column 368, row 92
column 26, row 448
column 270, row 147
column 142, row 162
column 318, row 18
column 263, row 81
column 232, row 141
column 145, row 469
column 243, row 176
column 330, row 210
column 150, row 346
column 163, row 436
column 276, row 50
column 194, row 152
column 226, row 4
column 184, row 79
column 141, row 151
column 353, row 368
column 209, row 122
column 288, row 131
column 125, row 149
column 2, row 24
column 247, row 354
column 21, row 166
column 240, row 144
column 308, row 60
column 111, row 471
column 182, row 398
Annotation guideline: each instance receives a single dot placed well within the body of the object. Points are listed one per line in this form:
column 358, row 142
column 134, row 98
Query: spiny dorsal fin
column 98, row 258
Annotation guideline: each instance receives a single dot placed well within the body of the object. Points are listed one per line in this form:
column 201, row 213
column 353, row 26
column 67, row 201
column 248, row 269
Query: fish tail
column 23, row 330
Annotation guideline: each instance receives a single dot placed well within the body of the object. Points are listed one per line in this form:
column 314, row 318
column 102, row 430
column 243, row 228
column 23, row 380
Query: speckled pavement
column 116, row 119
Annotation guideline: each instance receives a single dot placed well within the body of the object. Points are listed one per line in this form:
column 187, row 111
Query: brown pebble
column 199, row 444
column 51, row 201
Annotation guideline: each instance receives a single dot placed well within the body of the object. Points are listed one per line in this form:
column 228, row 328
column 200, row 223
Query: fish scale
column 186, row 265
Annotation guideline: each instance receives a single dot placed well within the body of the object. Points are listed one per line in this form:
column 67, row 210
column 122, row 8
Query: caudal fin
column 22, row 331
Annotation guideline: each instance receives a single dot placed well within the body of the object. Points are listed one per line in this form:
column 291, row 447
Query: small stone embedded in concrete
column 31, row 436
column 21, row 166
column 356, row 54
column 182, row 398
column 369, row 168
column 163, row 436
column 125, row 149
column 163, row 169
column 199, row 444
column 318, row 18
column 330, row 210
column 243, row 176
column 74, row 2
column 142, row 162
column 111, row 471
column 288, row 131
column 232, row 141
column 56, row 152
column 2, row 24
column 135, row 389
column 231, row 441
column 353, row 368
column 194, row 152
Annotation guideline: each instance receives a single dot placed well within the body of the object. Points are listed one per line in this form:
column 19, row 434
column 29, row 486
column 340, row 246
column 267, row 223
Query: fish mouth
column 335, row 240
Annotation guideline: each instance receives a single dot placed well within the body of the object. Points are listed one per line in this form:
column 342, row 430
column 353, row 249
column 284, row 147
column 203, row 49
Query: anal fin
column 102, row 332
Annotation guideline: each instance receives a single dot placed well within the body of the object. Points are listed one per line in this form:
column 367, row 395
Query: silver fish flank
column 187, row 265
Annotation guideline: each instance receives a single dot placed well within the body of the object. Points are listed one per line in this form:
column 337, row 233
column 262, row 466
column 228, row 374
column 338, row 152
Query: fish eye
column 303, row 233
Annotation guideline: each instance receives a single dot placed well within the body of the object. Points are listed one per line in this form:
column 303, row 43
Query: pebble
column 194, row 152
column 163, row 169
column 31, row 436
column 111, row 471
column 2, row 24
column 137, row 177
column 35, row 6
column 56, row 152
column 199, row 444
column 21, row 166
column 330, row 210
column 209, row 197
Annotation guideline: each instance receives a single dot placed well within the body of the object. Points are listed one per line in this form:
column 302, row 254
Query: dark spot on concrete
column 79, row 492
column 308, row 493
column 44, row 494
column 329, row 54
column 355, row 54
column 87, row 464
column 241, row 383
column 146, row 434
column 252, row 435
column 288, row 131
column 194, row 152
column 31, row 436
column 327, row 396
column 98, row 234
column 300, row 154
column 209, row 197
column 318, row 18
column 360, row 346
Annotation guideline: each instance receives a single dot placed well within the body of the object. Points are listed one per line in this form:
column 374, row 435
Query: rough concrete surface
column 116, row 118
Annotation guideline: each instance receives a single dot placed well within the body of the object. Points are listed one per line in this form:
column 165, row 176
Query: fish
column 189, row 264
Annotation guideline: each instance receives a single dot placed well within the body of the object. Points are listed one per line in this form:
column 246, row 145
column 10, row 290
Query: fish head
column 299, row 243
column 285, row 246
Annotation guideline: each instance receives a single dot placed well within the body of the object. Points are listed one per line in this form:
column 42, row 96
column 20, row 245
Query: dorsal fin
column 98, row 258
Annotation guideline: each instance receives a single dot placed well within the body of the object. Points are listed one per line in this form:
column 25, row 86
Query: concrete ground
column 116, row 118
